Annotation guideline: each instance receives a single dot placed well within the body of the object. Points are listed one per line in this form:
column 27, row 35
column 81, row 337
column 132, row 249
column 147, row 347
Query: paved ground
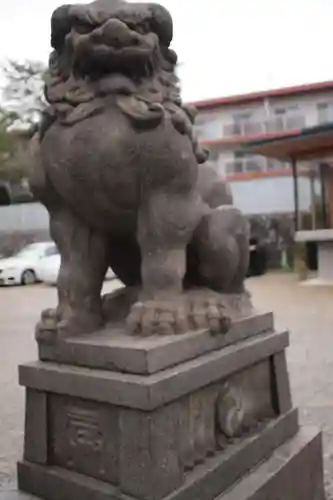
column 306, row 311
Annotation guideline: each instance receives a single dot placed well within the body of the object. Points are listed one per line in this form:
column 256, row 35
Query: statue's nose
column 114, row 32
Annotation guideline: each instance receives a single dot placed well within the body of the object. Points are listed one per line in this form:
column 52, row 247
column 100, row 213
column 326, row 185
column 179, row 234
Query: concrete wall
column 24, row 217
column 266, row 196
column 262, row 196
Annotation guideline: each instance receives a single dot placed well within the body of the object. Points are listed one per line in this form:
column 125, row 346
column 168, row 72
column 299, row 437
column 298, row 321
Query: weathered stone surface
column 118, row 167
column 206, row 481
column 52, row 483
column 245, row 399
column 84, row 437
column 218, row 473
column 35, row 433
column 187, row 431
column 111, row 349
column 281, row 389
column 293, row 472
column 149, row 392
column 150, row 468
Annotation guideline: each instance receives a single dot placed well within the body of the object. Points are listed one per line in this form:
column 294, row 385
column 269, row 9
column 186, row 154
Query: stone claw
column 210, row 314
column 53, row 325
column 46, row 328
column 157, row 318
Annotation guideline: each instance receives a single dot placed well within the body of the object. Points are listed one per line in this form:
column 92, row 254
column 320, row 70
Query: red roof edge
column 253, row 96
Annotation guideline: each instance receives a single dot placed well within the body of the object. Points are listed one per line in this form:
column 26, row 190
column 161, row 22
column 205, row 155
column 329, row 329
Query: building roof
column 309, row 143
column 254, row 96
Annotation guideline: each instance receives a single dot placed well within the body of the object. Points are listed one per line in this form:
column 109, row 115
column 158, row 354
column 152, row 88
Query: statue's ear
column 60, row 26
column 161, row 23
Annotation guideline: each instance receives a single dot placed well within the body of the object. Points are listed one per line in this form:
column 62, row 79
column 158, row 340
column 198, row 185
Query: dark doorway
column 5, row 198
column 312, row 255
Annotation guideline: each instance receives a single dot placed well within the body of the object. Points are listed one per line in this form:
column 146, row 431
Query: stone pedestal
column 193, row 417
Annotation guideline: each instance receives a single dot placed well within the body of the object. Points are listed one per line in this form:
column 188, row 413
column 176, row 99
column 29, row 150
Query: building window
column 272, row 164
column 252, row 165
column 325, row 112
column 285, row 118
column 208, row 128
column 283, row 110
column 213, row 154
column 235, row 166
column 241, row 119
column 241, row 124
column 243, row 163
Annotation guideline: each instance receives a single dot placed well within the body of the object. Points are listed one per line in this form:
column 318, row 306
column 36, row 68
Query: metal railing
column 283, row 123
column 269, row 125
column 252, row 165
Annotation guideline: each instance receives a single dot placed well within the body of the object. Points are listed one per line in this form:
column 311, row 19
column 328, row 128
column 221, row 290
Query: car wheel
column 28, row 277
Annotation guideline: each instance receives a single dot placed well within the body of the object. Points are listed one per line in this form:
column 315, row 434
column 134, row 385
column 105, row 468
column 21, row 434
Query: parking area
column 306, row 311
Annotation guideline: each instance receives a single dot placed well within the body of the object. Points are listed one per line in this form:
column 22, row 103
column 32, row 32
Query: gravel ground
column 306, row 311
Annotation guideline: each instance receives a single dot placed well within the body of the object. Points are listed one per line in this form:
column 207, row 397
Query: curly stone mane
column 102, row 53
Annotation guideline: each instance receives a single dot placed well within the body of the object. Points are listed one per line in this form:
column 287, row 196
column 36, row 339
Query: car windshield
column 31, row 251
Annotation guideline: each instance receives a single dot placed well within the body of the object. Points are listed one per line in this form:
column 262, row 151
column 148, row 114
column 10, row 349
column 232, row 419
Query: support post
column 296, row 197
column 313, row 202
column 322, row 170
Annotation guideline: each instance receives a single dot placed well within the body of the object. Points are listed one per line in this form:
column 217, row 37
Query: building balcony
column 260, row 166
column 267, row 126
column 252, row 166
column 211, row 131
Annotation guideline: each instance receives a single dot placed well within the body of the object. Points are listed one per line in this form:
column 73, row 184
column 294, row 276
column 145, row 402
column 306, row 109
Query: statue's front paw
column 79, row 324
column 157, row 317
column 209, row 313
column 53, row 326
column 46, row 328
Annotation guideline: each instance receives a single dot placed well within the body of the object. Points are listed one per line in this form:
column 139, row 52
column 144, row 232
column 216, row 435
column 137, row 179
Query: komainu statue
column 126, row 183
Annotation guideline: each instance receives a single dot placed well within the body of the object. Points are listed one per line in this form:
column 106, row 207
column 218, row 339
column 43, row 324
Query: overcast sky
column 225, row 46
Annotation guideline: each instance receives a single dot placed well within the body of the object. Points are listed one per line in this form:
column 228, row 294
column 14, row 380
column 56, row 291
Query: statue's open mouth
column 112, row 46
column 110, row 36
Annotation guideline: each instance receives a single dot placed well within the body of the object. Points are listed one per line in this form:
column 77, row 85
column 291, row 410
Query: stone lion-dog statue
column 126, row 183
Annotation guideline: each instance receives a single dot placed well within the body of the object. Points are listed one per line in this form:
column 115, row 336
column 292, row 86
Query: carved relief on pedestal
column 197, row 428
column 243, row 401
column 230, row 410
column 84, row 437
column 214, row 416
column 84, row 429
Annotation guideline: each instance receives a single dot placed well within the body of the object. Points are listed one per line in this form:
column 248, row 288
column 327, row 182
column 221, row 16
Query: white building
column 261, row 185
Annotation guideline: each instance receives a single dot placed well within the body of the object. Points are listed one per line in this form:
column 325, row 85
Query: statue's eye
column 83, row 28
column 131, row 26
column 142, row 28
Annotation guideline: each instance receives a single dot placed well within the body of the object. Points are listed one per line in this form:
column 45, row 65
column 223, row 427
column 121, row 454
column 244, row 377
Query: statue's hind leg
column 84, row 261
column 221, row 244
column 217, row 264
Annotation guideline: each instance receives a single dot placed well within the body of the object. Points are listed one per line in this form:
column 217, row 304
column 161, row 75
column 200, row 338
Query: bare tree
column 22, row 92
column 22, row 104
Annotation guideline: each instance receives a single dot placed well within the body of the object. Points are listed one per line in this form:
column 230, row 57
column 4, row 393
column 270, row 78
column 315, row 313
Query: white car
column 48, row 270
column 21, row 268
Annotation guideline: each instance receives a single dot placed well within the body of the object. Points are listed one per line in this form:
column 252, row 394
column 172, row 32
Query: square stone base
column 293, row 472
column 189, row 419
